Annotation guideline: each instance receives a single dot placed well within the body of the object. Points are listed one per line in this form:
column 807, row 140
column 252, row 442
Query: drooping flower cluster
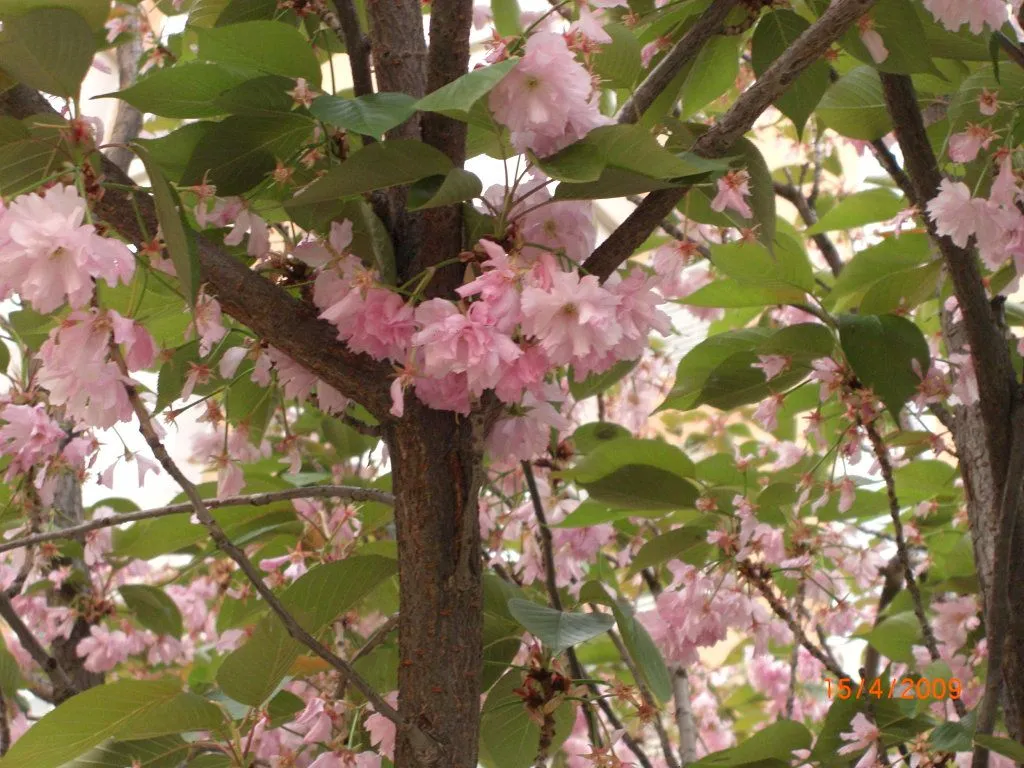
column 49, row 255
column 548, row 100
column 520, row 319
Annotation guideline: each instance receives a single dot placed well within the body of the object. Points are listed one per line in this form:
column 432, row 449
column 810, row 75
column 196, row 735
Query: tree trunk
column 436, row 476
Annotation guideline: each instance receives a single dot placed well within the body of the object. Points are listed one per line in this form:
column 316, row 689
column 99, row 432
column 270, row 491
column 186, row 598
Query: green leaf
column 163, row 752
column 855, row 107
column 775, row 742
column 733, row 293
column 49, row 49
column 94, row 12
column 668, row 546
column 774, row 34
column 924, row 479
column 618, row 62
column 613, row 182
column 173, row 151
column 903, row 34
column 643, row 651
column 878, row 262
column 25, row 164
column 436, row 191
column 596, row 383
column 902, row 290
column 184, row 90
column 506, row 17
column 753, row 263
column 178, row 237
column 712, row 73
column 628, row 147
column 265, row 95
column 589, row 436
column 895, row 637
column 459, row 96
column 11, row 679
column 237, row 11
column 636, row 474
column 378, row 166
column 124, row 709
column 559, row 630
column 591, row 513
column 719, row 371
column 252, row 673
column 1003, row 746
column 371, row 115
column 859, row 209
column 272, row 47
column 953, row 736
column 153, row 608
column 508, row 735
column 881, row 348
column 237, row 153
column 204, row 13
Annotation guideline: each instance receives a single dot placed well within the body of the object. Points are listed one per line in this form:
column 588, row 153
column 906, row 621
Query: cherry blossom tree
column 471, row 497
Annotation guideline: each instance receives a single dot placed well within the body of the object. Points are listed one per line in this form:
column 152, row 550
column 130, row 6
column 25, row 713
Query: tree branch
column 285, row 322
column 682, row 53
column 128, row 123
column 882, row 455
column 994, row 371
column 1012, row 49
column 783, row 613
column 294, row 629
column 670, row 228
column 378, row 636
column 717, row 141
column 345, row 24
column 252, row 500
column 828, row 249
column 1000, row 608
column 63, row 687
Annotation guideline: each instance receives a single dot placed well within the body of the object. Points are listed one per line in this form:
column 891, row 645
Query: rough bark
column 447, row 60
column 436, row 475
column 128, row 123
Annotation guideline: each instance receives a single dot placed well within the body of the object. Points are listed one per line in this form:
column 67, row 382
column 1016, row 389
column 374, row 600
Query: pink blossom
column 988, row 102
column 952, row 212
column 256, row 227
column 637, row 314
column 302, row 94
column 206, row 323
column 966, row 386
column 30, row 436
column 865, row 735
column 589, row 26
column 964, row 146
column 450, row 393
column 829, row 373
column 976, row 13
column 766, row 413
column 1004, row 189
column 315, row 721
column 454, row 342
column 872, row 40
column 382, row 730
column 546, row 101
column 572, row 320
column 847, row 495
column 526, row 431
column 954, row 619
column 497, row 287
column 77, row 372
column 773, row 365
column 482, row 16
column 375, row 321
column 733, row 189
column 49, row 256
column 102, row 649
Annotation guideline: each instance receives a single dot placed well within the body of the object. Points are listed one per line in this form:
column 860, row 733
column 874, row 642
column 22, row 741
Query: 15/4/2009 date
column 938, row 688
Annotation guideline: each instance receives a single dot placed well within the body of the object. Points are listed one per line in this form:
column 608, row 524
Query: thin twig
column 828, row 249
column 928, row 636
column 997, row 617
column 294, row 629
column 682, row 53
column 251, row 500
column 345, row 24
column 370, row 430
column 5, row 727
column 1012, row 49
column 749, row 571
column 63, row 687
column 375, row 639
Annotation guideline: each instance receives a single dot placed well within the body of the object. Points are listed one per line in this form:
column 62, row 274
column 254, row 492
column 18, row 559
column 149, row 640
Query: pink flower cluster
column 49, row 255
column 548, row 100
column 953, row 14
column 519, row 320
column 995, row 222
column 77, row 369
